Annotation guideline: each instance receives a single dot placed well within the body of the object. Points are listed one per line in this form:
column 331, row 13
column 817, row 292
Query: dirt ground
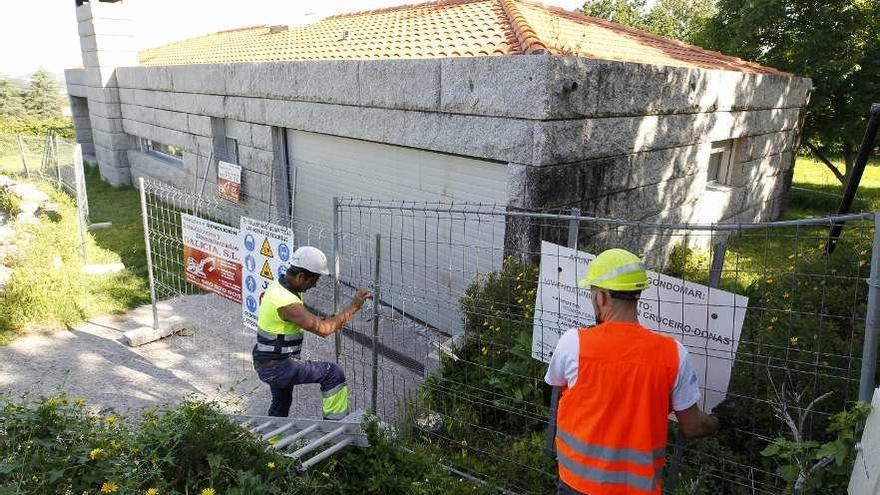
column 210, row 359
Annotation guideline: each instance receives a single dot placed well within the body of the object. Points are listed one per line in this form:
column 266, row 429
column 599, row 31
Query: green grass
column 810, row 174
column 48, row 290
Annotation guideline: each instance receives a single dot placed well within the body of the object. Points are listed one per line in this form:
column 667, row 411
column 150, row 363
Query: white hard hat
column 311, row 259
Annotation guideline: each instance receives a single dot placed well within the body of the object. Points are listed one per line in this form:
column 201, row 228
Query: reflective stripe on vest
column 610, row 454
column 610, row 477
column 276, row 338
column 612, row 423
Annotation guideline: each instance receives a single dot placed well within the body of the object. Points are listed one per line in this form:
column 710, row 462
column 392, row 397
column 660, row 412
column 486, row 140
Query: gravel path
column 209, row 359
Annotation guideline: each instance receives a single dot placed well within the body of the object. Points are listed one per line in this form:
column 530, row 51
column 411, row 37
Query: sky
column 42, row 33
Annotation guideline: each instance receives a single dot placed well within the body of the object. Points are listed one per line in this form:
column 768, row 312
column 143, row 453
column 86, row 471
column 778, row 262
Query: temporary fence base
column 308, row 439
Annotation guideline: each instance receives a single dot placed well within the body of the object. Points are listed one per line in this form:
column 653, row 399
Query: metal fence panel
column 444, row 352
column 482, row 395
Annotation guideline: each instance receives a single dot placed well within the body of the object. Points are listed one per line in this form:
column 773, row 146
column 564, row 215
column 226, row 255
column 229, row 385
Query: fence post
column 337, row 339
column 149, row 252
column 550, row 441
column 872, row 320
column 375, row 346
column 717, row 264
column 21, row 152
column 57, row 161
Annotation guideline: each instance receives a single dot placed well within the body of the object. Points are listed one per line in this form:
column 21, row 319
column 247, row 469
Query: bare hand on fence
column 360, row 297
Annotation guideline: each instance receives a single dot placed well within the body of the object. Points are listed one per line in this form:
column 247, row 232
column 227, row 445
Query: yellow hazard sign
column 266, row 249
column 266, row 272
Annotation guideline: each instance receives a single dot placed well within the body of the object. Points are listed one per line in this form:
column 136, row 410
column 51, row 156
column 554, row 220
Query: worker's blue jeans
column 284, row 375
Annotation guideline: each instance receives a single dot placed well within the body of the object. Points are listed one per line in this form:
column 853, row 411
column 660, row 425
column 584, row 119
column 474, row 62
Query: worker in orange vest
column 619, row 382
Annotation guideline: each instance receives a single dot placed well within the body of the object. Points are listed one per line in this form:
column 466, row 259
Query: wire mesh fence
column 468, row 283
column 470, row 299
column 54, row 161
column 49, row 158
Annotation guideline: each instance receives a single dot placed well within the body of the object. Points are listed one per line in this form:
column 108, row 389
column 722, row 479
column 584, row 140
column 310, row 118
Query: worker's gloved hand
column 725, row 411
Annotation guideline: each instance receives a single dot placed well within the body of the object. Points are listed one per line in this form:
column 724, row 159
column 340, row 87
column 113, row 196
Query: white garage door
column 429, row 262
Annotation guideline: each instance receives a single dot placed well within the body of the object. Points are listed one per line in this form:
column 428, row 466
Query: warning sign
column 228, row 181
column 705, row 320
column 211, row 258
column 259, row 241
column 266, row 272
column 266, row 249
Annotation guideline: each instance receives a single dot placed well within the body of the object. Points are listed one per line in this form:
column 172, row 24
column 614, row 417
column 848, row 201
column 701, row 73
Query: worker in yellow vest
column 282, row 320
column 619, row 383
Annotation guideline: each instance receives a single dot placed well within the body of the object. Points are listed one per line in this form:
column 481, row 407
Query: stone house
column 498, row 101
column 504, row 101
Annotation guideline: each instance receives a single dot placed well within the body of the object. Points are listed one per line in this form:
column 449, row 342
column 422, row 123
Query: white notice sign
column 266, row 247
column 706, row 321
column 228, row 181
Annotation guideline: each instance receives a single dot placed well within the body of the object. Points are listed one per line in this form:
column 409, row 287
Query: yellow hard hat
column 616, row 269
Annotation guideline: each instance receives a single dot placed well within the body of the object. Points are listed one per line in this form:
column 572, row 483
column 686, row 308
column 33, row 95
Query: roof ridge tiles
column 528, row 40
column 581, row 17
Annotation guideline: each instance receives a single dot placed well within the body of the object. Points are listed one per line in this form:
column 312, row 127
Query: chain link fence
column 452, row 350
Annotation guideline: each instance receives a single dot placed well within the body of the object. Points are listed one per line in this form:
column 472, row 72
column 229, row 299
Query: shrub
column 57, row 446
column 63, row 126
column 10, row 203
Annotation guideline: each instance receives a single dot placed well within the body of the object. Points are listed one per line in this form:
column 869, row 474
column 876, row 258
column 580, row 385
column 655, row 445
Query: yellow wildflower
column 111, row 419
column 153, row 491
column 208, row 491
column 96, row 453
column 270, row 465
column 109, row 487
column 79, row 401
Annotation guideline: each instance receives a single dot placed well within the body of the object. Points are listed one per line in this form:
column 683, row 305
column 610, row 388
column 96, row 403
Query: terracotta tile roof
column 446, row 28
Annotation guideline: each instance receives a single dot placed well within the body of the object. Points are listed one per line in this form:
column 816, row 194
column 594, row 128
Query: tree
column 677, row 19
column 682, row 20
column 626, row 12
column 42, row 97
column 11, row 98
column 833, row 42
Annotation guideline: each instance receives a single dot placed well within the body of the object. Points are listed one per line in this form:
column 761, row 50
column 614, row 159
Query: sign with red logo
column 211, row 258
column 228, row 181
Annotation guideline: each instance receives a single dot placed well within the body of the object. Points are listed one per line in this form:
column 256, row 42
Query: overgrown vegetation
column 48, row 290
column 491, row 393
column 58, row 446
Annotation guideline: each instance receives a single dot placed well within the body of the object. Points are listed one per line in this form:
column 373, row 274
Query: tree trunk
column 818, row 154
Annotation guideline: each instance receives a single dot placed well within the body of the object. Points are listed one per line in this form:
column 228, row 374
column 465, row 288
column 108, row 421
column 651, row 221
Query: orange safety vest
column 611, row 425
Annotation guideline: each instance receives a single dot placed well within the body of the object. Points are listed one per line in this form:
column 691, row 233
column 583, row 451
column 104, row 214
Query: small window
column 719, row 162
column 163, row 151
column 232, row 150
